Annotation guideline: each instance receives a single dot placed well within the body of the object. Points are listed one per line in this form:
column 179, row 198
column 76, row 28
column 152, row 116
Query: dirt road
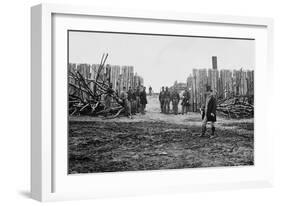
column 156, row 141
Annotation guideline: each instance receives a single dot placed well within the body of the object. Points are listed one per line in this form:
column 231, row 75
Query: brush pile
column 236, row 107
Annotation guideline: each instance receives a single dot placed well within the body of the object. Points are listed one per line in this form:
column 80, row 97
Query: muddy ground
column 156, row 141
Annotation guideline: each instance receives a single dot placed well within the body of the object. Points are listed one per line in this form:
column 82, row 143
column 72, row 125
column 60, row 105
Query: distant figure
column 134, row 102
column 137, row 93
column 126, row 103
column 208, row 112
column 175, row 97
column 117, row 91
column 162, row 99
column 144, row 89
column 167, row 100
column 150, row 90
column 130, row 98
column 108, row 96
column 185, row 102
column 143, row 100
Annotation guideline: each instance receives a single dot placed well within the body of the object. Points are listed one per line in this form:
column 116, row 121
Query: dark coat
column 211, row 108
column 175, row 97
column 161, row 96
column 130, row 95
column 134, row 96
column 143, row 99
column 186, row 95
column 167, row 95
column 185, row 100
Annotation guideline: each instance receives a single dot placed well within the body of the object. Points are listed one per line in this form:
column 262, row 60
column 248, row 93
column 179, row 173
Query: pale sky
column 161, row 60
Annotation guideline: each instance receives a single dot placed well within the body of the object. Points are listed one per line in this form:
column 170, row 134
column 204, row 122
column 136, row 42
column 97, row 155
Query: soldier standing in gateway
column 175, row 101
column 208, row 112
column 161, row 99
column 143, row 100
column 167, row 100
column 150, row 90
column 185, row 102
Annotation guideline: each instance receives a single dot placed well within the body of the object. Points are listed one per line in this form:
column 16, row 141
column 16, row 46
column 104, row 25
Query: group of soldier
column 166, row 97
column 133, row 100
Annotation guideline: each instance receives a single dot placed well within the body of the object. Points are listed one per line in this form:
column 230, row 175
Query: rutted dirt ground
column 156, row 141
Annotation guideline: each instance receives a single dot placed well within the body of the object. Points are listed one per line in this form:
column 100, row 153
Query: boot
column 203, row 131
column 213, row 132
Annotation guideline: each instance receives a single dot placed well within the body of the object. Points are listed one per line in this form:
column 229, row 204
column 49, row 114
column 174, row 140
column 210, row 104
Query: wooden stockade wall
column 119, row 76
column 227, row 83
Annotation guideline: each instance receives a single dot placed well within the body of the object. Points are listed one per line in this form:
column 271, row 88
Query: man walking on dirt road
column 209, row 112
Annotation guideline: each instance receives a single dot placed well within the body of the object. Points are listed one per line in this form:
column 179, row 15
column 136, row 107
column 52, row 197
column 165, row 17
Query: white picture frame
column 45, row 177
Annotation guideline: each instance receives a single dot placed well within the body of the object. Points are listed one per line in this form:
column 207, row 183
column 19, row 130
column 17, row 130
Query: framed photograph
column 136, row 102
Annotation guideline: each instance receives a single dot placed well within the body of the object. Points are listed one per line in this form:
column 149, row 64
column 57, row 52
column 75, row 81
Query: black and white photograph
column 139, row 101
